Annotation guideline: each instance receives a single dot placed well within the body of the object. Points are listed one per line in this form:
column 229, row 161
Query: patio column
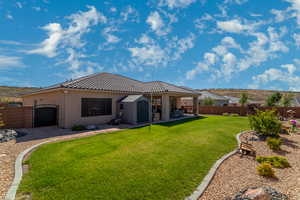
column 195, row 105
column 165, row 115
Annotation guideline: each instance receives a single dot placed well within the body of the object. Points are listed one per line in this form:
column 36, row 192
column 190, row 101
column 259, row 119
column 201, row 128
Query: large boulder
column 259, row 193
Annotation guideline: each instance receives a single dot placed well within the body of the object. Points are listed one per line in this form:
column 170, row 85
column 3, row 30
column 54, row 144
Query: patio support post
column 165, row 108
column 195, row 105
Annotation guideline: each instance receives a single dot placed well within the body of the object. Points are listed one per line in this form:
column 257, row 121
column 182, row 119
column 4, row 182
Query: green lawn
column 167, row 163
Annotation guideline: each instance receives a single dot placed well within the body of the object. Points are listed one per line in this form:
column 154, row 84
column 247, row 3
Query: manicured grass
column 167, row 163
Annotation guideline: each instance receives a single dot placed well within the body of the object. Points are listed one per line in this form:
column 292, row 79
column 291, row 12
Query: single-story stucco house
column 99, row 98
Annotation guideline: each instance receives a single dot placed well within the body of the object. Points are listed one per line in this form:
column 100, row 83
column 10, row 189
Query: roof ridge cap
column 81, row 78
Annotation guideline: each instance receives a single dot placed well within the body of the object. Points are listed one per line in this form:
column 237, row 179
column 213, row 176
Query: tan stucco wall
column 73, row 108
column 55, row 97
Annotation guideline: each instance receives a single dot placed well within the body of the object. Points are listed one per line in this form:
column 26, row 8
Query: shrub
column 234, row 115
column 225, row 114
column 78, row 128
column 265, row 169
column 274, row 143
column 265, row 123
column 275, row 161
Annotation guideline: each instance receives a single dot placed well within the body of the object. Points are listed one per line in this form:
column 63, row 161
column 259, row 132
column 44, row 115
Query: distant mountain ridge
column 12, row 94
column 254, row 94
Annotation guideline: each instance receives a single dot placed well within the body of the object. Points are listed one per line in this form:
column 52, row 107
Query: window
column 95, row 106
column 121, row 106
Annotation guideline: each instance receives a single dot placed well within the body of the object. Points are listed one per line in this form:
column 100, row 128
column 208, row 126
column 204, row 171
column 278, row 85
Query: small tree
column 274, row 99
column 265, row 123
column 286, row 100
column 243, row 99
column 208, row 101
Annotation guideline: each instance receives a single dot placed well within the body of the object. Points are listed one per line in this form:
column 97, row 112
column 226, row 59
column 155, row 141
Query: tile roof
column 118, row 83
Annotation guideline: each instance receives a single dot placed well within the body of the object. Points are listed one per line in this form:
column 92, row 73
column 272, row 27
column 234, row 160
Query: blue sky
column 196, row 43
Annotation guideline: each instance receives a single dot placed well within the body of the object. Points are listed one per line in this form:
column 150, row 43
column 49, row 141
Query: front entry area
column 45, row 115
column 142, row 111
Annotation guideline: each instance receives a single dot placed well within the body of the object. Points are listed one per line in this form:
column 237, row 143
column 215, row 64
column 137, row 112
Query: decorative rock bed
column 9, row 134
column 260, row 193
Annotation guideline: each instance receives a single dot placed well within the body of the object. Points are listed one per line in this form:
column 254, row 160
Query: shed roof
column 131, row 98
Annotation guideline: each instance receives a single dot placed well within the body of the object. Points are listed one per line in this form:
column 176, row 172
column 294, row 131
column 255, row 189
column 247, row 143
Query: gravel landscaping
column 11, row 149
column 238, row 173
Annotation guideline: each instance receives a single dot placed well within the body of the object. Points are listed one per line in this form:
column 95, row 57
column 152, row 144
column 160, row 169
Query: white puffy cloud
column 233, row 26
column 210, row 58
column 176, row 3
column 291, row 68
column 149, row 52
column 156, row 23
column 7, row 62
column 297, row 39
column 295, row 6
column 277, row 75
column 80, row 23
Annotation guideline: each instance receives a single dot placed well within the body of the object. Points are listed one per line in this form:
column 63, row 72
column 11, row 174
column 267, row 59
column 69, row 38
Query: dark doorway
column 142, row 111
column 45, row 115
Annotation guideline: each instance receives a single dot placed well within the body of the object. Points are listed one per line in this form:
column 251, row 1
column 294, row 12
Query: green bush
column 234, row 115
column 225, row 114
column 265, row 169
column 78, row 128
column 274, row 143
column 275, row 161
column 265, row 123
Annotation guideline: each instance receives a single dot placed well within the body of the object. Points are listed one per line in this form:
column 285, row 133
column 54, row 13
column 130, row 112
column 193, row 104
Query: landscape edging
column 208, row 178
column 12, row 191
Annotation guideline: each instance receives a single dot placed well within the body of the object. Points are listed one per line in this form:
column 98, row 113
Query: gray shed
column 135, row 109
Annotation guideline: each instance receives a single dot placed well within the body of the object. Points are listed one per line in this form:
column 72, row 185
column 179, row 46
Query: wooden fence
column 16, row 117
column 219, row 110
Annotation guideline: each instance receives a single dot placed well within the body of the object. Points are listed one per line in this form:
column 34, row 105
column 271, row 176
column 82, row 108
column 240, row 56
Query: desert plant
column 78, row 128
column 274, row 143
column 265, row 123
column 266, row 170
column 273, row 99
column 208, row 101
column 234, row 115
column 225, row 114
column 244, row 99
column 286, row 100
column 275, row 161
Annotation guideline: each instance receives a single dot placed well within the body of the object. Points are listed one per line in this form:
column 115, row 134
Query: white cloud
column 297, row 39
column 150, row 54
column 156, row 23
column 296, row 8
column 233, row 26
column 7, row 62
column 182, row 45
column 210, row 58
column 176, row 3
column 80, row 23
column 223, row 61
column 274, row 75
column 19, row 4
column 130, row 14
column 291, row 68
column 49, row 46
column 110, row 38
column 9, row 16
column 279, row 15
